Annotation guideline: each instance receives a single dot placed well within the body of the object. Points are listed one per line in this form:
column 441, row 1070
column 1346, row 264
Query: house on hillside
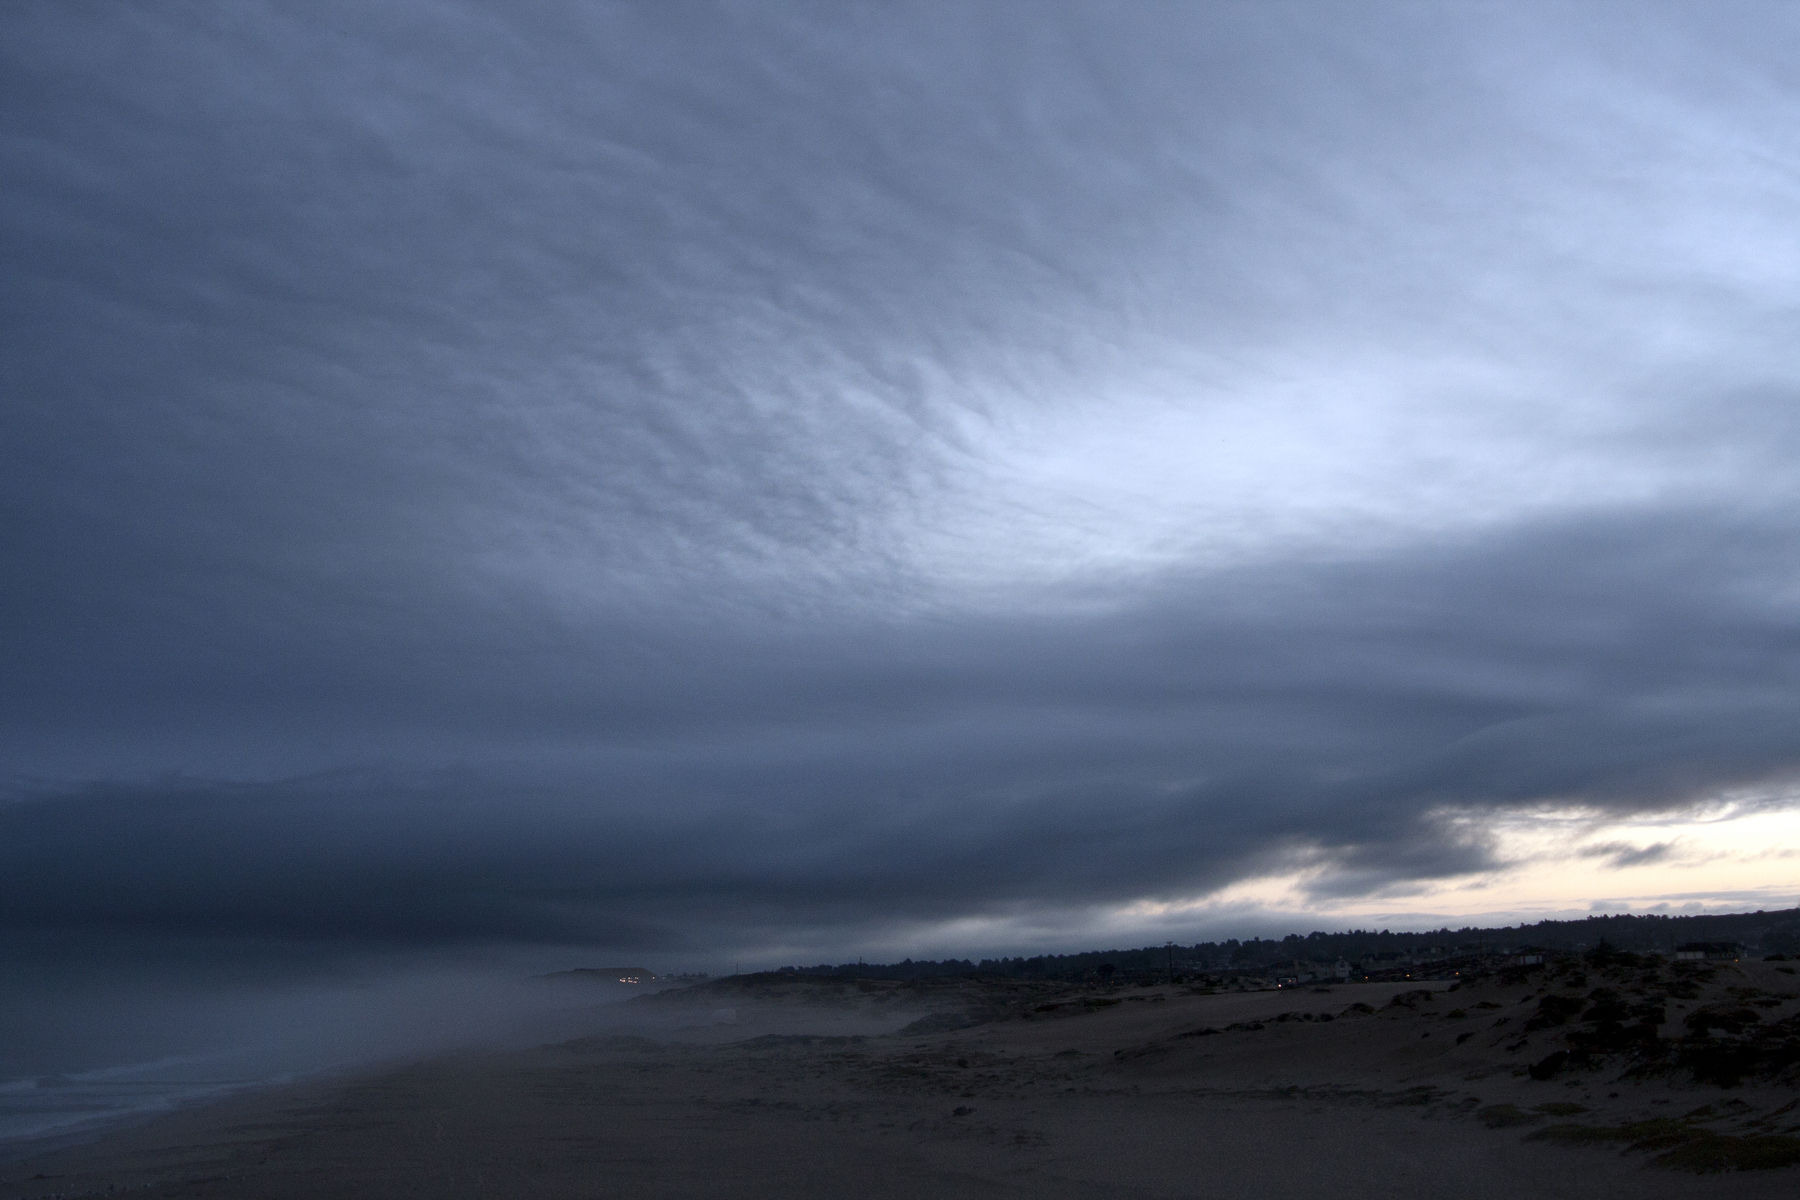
column 607, row 975
column 1708, row 952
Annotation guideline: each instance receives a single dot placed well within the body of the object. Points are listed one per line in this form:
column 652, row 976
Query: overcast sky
column 806, row 480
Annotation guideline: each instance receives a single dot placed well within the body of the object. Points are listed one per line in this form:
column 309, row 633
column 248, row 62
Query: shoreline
column 1149, row 1092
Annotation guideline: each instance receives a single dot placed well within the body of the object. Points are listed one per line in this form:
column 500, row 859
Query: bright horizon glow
column 1559, row 867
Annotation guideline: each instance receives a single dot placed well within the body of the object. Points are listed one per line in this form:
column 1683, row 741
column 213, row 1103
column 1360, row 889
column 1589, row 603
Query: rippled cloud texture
column 810, row 479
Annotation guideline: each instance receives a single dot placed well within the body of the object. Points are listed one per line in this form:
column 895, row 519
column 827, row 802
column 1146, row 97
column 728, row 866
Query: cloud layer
column 679, row 477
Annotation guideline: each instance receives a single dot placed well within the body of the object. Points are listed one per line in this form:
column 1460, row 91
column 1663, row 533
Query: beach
column 782, row 1087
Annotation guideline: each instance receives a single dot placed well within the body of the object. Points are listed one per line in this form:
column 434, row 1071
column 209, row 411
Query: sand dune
column 984, row 1089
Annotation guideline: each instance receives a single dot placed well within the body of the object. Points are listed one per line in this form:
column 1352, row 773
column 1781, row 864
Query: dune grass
column 1683, row 1147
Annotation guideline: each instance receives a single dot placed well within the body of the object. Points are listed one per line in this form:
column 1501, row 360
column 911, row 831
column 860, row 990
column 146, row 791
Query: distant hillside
column 1775, row 932
column 605, row 975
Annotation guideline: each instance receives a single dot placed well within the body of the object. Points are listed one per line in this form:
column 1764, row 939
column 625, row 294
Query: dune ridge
column 1617, row 1076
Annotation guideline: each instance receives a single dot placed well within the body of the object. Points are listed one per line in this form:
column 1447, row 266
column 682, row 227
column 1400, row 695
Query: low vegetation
column 1678, row 1145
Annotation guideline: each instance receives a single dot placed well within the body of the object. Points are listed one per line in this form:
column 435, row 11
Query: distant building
column 1708, row 952
column 608, row 974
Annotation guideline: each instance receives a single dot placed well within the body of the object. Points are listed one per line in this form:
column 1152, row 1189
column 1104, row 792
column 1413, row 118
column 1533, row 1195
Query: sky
column 786, row 482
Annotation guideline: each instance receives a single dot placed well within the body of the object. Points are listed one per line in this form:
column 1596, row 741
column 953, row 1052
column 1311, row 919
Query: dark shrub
column 1550, row 1066
column 1554, row 1010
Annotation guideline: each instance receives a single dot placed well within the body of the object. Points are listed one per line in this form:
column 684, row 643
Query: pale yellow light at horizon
column 1730, row 856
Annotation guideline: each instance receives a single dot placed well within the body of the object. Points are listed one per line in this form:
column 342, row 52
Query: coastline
column 1147, row 1092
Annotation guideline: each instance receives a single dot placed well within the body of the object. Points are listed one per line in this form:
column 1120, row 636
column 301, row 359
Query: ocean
column 73, row 1066
column 61, row 1107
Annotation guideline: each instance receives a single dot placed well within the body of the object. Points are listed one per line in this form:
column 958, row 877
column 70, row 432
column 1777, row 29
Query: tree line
column 1770, row 932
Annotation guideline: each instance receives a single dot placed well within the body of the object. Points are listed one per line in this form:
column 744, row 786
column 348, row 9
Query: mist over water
column 82, row 1050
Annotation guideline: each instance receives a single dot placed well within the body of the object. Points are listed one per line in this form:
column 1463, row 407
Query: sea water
column 61, row 1106
column 72, row 1066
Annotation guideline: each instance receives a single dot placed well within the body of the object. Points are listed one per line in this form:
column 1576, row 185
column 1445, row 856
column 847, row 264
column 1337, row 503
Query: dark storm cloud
column 550, row 406
column 865, row 778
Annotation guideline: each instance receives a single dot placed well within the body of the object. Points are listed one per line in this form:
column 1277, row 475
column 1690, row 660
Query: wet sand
column 1057, row 1091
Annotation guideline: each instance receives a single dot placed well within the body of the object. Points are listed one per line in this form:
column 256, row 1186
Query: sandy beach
column 781, row 1087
